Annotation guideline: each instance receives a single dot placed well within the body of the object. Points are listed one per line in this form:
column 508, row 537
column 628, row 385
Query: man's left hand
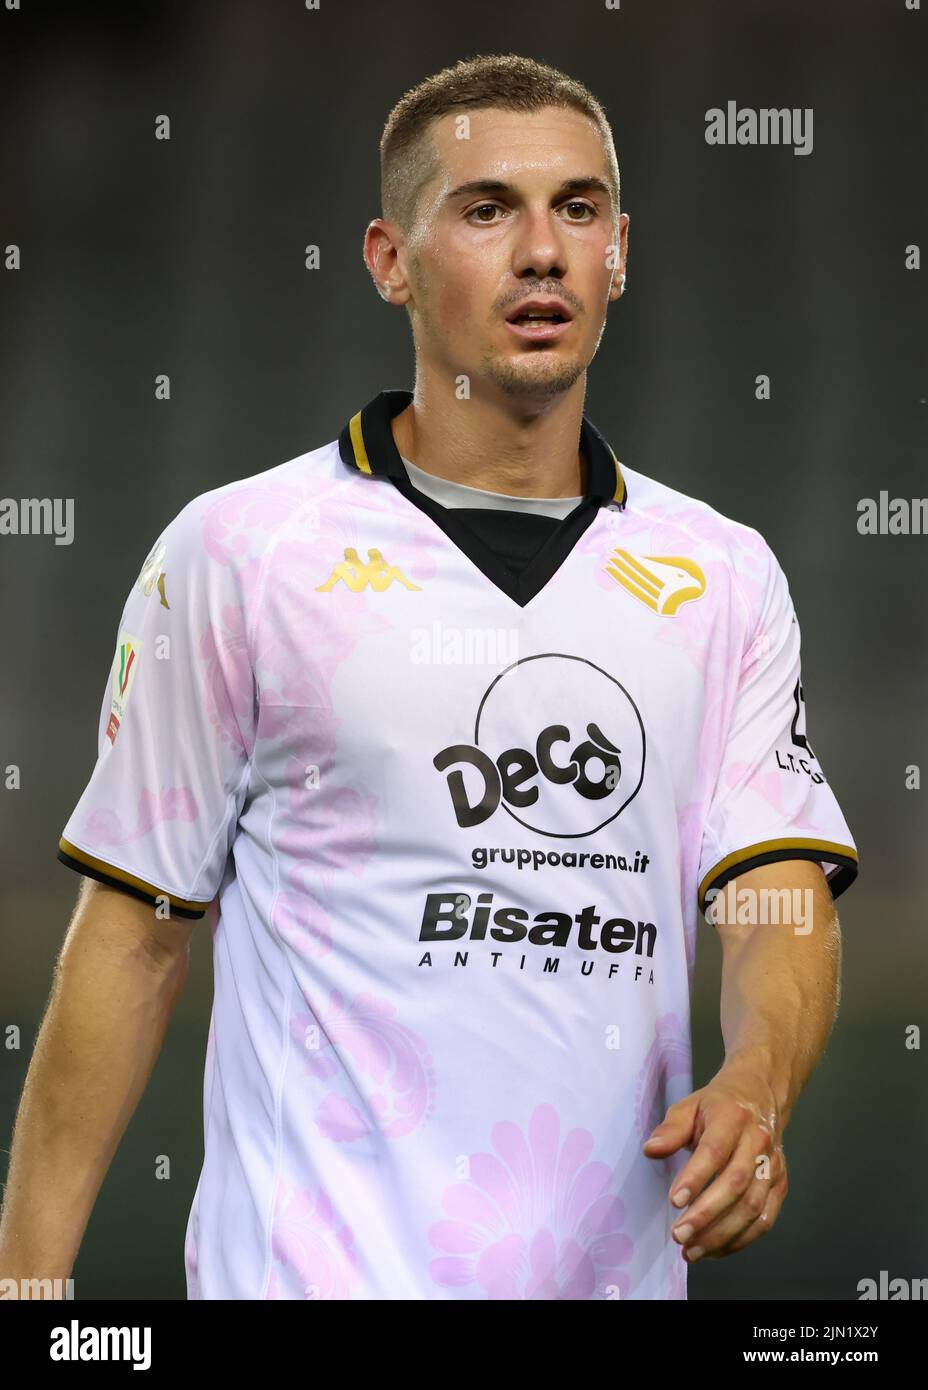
column 733, row 1128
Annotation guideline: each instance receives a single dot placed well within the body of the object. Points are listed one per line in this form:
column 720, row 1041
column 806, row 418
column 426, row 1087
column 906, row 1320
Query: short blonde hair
column 407, row 155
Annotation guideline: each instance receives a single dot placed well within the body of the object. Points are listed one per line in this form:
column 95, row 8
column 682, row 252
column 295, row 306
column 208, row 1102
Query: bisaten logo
column 661, row 582
column 575, row 770
column 445, row 919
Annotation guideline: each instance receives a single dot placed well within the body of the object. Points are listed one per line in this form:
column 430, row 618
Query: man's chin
column 538, row 375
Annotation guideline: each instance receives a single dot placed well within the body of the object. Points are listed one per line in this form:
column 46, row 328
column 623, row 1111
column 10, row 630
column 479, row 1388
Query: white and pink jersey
column 461, row 828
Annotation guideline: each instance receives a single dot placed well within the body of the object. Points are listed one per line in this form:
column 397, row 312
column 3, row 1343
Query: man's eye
column 494, row 207
column 584, row 207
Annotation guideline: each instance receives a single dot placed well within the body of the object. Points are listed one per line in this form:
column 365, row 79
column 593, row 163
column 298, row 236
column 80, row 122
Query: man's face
column 476, row 254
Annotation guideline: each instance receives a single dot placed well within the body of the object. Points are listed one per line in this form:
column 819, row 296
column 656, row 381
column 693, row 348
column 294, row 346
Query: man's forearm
column 780, row 986
column 111, row 1001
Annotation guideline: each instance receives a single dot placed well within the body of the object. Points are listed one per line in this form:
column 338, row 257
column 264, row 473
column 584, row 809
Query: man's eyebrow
column 589, row 183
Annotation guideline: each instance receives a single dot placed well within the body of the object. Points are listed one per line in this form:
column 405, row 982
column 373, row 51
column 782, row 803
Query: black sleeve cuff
column 87, row 864
column 843, row 857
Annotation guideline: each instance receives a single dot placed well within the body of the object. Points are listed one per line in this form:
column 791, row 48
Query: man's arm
column 781, row 981
column 117, row 979
column 779, row 999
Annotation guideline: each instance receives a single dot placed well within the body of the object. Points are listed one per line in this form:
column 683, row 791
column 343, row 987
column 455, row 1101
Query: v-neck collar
column 367, row 444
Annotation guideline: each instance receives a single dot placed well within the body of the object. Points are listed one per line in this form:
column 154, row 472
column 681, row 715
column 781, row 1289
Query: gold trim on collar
column 357, row 440
column 621, row 491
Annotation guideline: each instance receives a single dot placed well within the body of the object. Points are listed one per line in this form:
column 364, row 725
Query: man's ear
column 380, row 248
column 617, row 288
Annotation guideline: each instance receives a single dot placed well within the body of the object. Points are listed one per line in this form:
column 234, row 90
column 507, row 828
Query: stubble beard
column 531, row 380
column 540, row 375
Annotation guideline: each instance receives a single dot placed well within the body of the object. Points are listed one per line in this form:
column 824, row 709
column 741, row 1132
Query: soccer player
column 452, row 729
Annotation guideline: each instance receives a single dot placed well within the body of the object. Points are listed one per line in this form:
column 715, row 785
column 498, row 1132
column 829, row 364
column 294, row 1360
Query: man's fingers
column 762, row 1224
column 711, row 1154
column 752, row 1229
column 713, row 1237
column 731, row 1184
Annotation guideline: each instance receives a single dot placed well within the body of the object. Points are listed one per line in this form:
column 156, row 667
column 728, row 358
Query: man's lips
column 539, row 320
column 539, row 330
column 547, row 308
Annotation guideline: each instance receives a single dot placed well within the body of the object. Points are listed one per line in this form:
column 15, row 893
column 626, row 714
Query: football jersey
column 512, row 528
column 456, row 824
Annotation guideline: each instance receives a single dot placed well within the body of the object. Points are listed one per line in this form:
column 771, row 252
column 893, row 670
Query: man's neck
column 491, row 445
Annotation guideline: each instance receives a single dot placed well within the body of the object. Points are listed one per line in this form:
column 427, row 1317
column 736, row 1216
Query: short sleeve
column 176, row 733
column 771, row 799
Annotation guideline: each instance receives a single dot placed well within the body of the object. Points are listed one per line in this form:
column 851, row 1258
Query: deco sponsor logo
column 559, row 745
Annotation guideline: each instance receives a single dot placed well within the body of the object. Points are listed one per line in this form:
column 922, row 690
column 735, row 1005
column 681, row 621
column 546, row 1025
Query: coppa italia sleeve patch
column 125, row 665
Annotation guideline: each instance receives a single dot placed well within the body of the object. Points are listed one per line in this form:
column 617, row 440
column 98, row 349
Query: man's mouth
column 539, row 318
column 539, row 313
column 539, row 321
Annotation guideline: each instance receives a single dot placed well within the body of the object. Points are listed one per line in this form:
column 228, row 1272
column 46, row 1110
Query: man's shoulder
column 667, row 512
column 275, row 491
column 234, row 526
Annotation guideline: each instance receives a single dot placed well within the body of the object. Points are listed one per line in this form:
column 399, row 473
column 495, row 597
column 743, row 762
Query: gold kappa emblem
column 357, row 575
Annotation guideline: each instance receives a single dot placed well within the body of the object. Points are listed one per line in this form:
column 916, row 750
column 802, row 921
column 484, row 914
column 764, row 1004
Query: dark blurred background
column 142, row 256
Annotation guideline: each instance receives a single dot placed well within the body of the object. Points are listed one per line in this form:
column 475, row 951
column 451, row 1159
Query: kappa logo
column 662, row 583
column 356, row 575
column 151, row 574
column 125, row 665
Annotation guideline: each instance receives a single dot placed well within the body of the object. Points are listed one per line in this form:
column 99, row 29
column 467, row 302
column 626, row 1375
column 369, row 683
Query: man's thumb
column 674, row 1130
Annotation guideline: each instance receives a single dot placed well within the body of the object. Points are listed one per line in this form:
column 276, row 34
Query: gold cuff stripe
column 103, row 866
column 828, row 849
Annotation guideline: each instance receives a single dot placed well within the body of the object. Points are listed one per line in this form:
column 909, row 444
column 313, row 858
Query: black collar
column 367, row 444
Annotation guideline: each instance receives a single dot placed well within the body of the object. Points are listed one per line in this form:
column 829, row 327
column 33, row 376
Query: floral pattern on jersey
column 330, row 635
column 344, row 821
column 392, row 1076
column 299, row 917
column 537, row 1218
column 323, row 836
column 668, row 1056
column 230, row 691
column 104, row 828
column 237, row 527
column 778, row 791
column 312, row 1248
